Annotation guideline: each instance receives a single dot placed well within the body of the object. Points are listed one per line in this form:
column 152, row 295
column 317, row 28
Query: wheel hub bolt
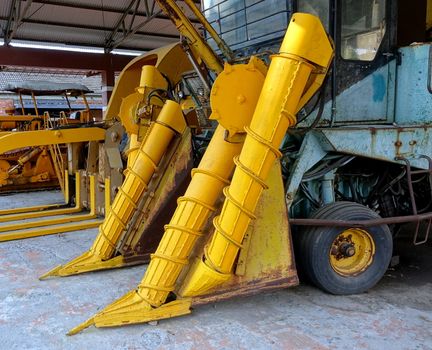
column 347, row 249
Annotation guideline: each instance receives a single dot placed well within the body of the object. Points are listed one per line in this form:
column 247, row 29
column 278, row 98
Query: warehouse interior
column 221, row 174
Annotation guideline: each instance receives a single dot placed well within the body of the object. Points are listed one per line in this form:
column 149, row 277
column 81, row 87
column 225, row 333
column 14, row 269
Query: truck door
column 365, row 65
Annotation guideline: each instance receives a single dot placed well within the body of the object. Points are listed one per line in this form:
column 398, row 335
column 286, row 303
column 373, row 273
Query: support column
column 108, row 80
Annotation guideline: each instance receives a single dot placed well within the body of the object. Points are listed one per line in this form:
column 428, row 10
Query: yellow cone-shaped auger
column 289, row 72
column 192, row 213
column 294, row 74
column 138, row 175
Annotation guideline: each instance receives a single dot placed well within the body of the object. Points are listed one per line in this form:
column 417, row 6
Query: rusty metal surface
column 152, row 235
column 266, row 260
column 159, row 202
column 386, row 142
column 409, row 173
column 248, row 289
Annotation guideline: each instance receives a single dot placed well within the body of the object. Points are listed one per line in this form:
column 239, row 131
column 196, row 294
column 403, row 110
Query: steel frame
column 126, row 24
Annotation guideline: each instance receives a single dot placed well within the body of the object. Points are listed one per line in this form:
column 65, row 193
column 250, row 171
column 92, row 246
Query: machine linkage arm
column 22, row 139
column 196, row 41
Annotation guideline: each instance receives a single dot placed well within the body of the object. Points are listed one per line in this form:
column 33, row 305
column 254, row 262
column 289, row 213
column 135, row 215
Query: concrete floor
column 396, row 314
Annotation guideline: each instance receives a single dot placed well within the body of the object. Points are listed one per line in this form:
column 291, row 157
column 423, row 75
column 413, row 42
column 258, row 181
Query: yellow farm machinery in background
column 68, row 150
column 40, row 166
column 88, row 160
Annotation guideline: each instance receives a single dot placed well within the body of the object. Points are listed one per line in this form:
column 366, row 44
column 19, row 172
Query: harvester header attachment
column 218, row 270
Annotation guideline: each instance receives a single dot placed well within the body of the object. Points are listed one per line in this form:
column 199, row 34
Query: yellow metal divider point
column 54, row 226
column 197, row 204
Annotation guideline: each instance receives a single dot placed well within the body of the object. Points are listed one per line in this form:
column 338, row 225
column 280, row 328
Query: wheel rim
column 352, row 252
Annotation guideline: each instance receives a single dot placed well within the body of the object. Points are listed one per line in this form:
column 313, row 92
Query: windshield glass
column 363, row 28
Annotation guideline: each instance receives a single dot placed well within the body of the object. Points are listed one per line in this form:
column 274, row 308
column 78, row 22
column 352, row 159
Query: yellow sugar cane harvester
column 208, row 253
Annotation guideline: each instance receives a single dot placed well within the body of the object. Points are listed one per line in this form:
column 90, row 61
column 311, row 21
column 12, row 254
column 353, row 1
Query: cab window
column 362, row 29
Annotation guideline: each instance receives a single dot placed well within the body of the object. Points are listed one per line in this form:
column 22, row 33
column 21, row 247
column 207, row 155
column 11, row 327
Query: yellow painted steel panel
column 49, row 137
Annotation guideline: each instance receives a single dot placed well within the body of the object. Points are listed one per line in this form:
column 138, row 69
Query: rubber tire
column 314, row 243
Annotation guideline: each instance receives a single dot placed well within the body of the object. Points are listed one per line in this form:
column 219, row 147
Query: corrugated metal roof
column 17, row 75
column 21, row 74
column 5, row 8
column 75, row 16
column 99, row 23
column 38, row 32
column 107, row 4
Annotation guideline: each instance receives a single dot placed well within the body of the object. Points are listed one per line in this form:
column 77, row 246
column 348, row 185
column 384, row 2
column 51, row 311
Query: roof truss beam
column 130, row 22
column 121, row 23
column 99, row 8
column 89, row 27
column 17, row 12
column 150, row 6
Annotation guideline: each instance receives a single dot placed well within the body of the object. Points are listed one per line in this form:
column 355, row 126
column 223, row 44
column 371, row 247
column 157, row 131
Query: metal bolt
column 114, row 136
column 347, row 249
column 241, row 99
column 350, row 251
